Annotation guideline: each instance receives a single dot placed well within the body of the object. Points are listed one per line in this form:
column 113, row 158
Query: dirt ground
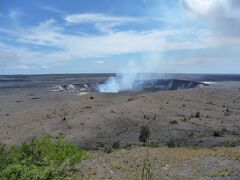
column 204, row 118
column 163, row 163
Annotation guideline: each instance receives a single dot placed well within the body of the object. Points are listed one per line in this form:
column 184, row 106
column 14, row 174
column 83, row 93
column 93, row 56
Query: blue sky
column 93, row 36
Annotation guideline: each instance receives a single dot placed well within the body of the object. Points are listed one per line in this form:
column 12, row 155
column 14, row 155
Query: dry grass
column 223, row 172
column 183, row 163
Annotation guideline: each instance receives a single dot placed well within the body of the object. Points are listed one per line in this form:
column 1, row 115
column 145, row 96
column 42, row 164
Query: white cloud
column 22, row 67
column 98, row 18
column 99, row 62
column 14, row 14
column 46, row 67
column 202, row 7
column 105, row 45
column 225, row 14
column 74, row 46
column 104, row 23
column 52, row 9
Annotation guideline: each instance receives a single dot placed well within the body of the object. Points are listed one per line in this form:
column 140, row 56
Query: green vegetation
column 232, row 143
column 144, row 134
column 172, row 143
column 153, row 144
column 217, row 133
column 108, row 149
column 116, row 145
column 40, row 159
column 147, row 169
column 173, row 122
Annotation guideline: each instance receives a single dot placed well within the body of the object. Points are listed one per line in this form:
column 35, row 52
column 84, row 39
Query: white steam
column 129, row 78
column 225, row 14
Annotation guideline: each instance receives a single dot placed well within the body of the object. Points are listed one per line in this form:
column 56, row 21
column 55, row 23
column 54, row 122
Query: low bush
column 173, row 122
column 153, row 144
column 172, row 142
column 217, row 133
column 107, row 149
column 232, row 143
column 116, row 145
column 127, row 146
column 197, row 115
column 41, row 159
column 144, row 134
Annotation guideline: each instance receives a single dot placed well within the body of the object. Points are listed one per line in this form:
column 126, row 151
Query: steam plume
column 130, row 77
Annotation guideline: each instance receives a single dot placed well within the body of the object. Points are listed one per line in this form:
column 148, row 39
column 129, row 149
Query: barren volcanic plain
column 201, row 117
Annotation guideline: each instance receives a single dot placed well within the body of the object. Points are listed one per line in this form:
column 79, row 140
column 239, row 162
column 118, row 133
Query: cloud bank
column 55, row 43
column 225, row 14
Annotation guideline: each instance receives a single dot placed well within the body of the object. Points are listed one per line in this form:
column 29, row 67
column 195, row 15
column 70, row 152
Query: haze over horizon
column 157, row 36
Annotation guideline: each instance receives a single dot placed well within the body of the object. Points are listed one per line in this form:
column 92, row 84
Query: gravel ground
column 165, row 163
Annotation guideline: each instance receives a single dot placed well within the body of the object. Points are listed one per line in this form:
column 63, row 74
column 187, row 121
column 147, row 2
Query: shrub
column 127, row 146
column 216, row 133
column 173, row 122
column 172, row 142
column 144, row 134
column 197, row 115
column 41, row 159
column 91, row 97
column 116, row 145
column 184, row 119
column 107, row 149
column 153, row 144
column 232, row 143
column 147, row 169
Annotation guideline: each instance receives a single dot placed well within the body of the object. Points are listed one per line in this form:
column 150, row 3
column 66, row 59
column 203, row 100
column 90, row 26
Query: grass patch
column 116, row 145
column 223, row 172
column 117, row 166
column 41, row 159
column 162, row 163
column 233, row 154
column 153, row 144
column 232, row 143
column 172, row 142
